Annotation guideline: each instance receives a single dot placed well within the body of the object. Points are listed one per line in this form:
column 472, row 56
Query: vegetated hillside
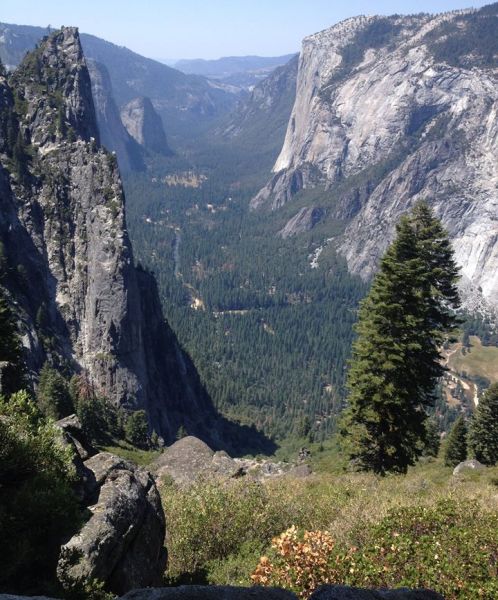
column 475, row 363
column 390, row 110
column 427, row 529
column 269, row 334
column 269, row 289
column 186, row 103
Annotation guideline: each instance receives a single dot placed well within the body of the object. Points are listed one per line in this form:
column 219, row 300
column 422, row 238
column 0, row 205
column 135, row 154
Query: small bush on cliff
column 101, row 421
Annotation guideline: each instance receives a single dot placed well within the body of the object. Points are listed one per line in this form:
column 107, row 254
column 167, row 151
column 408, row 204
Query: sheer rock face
column 269, row 103
column 69, row 260
column 305, row 220
column 392, row 124
column 113, row 134
column 144, row 125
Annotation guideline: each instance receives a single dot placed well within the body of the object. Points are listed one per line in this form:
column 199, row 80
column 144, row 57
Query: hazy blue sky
column 208, row 28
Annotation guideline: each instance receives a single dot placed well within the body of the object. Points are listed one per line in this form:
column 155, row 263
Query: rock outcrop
column 122, row 544
column 304, row 220
column 113, row 133
column 67, row 257
column 144, row 125
column 468, row 465
column 190, row 459
column 392, row 110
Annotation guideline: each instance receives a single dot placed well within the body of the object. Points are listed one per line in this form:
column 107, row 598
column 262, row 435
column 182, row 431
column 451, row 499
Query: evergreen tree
column 432, row 439
column 53, row 395
column 456, row 446
column 396, row 360
column 11, row 361
column 137, row 429
column 483, row 430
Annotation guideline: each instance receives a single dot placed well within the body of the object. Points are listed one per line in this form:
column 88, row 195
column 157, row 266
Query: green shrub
column 213, row 522
column 38, row 509
column 235, row 569
column 53, row 394
column 451, row 547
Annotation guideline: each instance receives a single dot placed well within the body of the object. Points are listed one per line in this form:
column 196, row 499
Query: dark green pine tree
column 432, row 439
column 53, row 394
column 137, row 429
column 456, row 446
column 483, row 430
column 396, row 361
column 11, row 355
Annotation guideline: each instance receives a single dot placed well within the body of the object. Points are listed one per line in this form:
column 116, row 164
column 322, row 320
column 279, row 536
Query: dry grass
column 480, row 361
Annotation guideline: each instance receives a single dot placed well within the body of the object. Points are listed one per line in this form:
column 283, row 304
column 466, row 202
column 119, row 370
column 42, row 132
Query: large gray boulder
column 339, row 592
column 190, row 458
column 122, row 544
column 185, row 460
column 214, row 592
column 468, row 465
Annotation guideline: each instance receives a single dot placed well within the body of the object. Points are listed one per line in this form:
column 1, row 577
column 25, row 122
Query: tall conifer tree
column 396, row 360
column 456, row 446
column 483, row 432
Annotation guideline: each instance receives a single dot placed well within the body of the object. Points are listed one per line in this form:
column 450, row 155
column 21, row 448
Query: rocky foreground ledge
column 199, row 592
column 121, row 544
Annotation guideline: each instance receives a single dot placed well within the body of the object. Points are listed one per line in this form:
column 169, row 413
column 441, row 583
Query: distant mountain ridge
column 242, row 72
column 230, row 65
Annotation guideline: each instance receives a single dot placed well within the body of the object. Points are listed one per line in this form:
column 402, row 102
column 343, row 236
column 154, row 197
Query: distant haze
column 198, row 29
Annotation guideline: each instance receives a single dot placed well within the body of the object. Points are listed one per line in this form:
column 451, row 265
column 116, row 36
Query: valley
column 248, row 316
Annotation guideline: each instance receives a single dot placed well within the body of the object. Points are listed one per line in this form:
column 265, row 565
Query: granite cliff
column 66, row 254
column 390, row 110
column 144, row 125
column 113, row 133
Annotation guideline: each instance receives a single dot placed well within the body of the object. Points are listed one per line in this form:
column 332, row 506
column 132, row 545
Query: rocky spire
column 81, row 301
column 54, row 83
